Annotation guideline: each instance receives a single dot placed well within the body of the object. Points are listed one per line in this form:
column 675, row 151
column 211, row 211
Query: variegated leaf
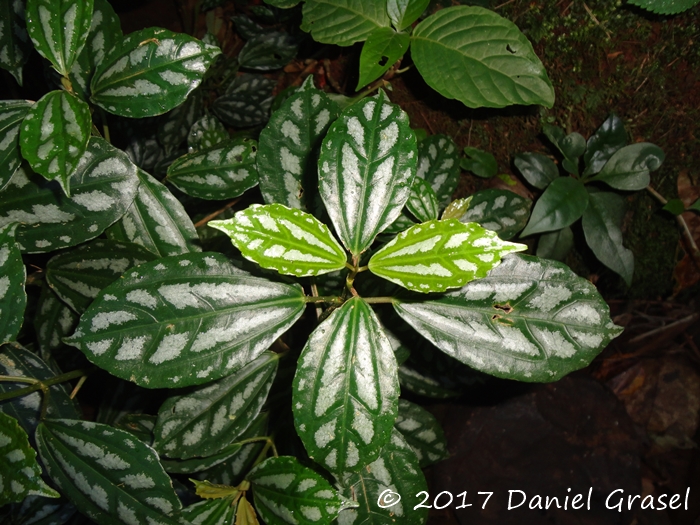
column 102, row 188
column 153, row 71
column 59, row 29
column 422, row 432
column 289, row 147
column 422, row 202
column 185, row 320
column 15, row 45
column 205, row 421
column 38, row 510
column 53, row 321
column 108, row 474
column 12, row 112
column 140, row 425
column 176, row 124
column 402, row 222
column 211, row 512
column 224, row 171
column 13, row 298
column 145, row 153
column 55, row 134
column 366, row 168
column 436, row 255
column 286, row 492
column 414, row 380
column 208, row 131
column 268, row 51
column 345, row 392
column 438, row 163
column 501, row 211
column 246, row 102
column 284, row 239
column 530, row 319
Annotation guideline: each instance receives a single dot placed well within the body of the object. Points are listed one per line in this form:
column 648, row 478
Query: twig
column 694, row 251
column 676, row 325
column 333, row 82
column 503, row 5
column 593, row 17
column 215, row 214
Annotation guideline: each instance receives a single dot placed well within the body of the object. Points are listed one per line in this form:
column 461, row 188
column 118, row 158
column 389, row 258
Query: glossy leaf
column 175, row 125
column 501, row 211
column 12, row 112
column 665, row 7
column 530, row 319
column 152, row 72
column 366, row 168
column 402, row 222
column 539, row 170
column 210, row 512
column 422, row 202
column 208, row 131
column 561, row 204
column 481, row 163
column 284, row 239
column 571, row 146
column 108, row 474
column 343, row 22
column 53, row 321
column 59, row 29
column 13, row 298
column 608, row 138
column 383, row 48
column 422, row 432
column 246, row 102
column 185, row 320
column 555, row 245
column 492, row 64
column 629, row 167
column 404, row 12
column 438, row 163
column 15, row 45
column 345, row 391
column 268, row 51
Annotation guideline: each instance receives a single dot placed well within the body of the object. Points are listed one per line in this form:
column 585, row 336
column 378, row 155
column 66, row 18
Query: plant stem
column 38, row 384
column 215, row 214
column 694, row 251
column 333, row 299
column 378, row 300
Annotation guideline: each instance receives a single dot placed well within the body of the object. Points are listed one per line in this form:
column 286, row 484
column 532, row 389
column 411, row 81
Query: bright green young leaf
column 501, row 211
column 491, row 63
column 55, row 134
column 414, row 380
column 481, row 163
column 438, row 163
column 555, row 245
column 206, row 420
column 246, row 102
column 422, row 202
column 345, row 392
column 674, row 206
column 383, row 48
column 151, row 73
column 54, row 320
column 343, row 22
column 210, row 512
column 404, row 12
column 422, row 432
column 20, row 474
column 268, row 51
column 208, row 490
column 185, row 320
column 530, row 319
column 284, row 239
column 289, row 145
column 108, row 474
column 437, row 255
column 207, row 132
column 59, row 29
column 539, row 170
column 665, row 7
column 224, row 171
column 13, row 298
column 608, row 138
column 457, row 209
column 12, row 112
column 601, row 225
column 629, row 167
column 15, row 45
column 561, row 204
column 286, row 493
column 366, row 168
column 175, row 125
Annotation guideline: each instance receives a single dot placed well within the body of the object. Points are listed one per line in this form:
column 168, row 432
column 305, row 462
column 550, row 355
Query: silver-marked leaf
column 13, row 298
column 59, row 29
column 481, row 163
column 102, row 187
column 246, row 102
column 12, row 112
column 108, row 474
column 268, row 51
column 629, row 167
column 436, row 255
column 185, row 320
column 402, row 222
column 153, row 71
column 438, row 163
column 561, row 204
column 555, row 245
column 53, row 321
column 145, row 153
column 38, row 510
column 422, row 432
column 530, row 319
column 608, row 138
column 208, row 131
column 395, row 470
column 156, row 220
column 383, row 48
column 284, row 239
column 286, row 492
column 224, row 171
column 203, row 422
column 15, row 45
column 54, row 136
column 246, row 27
column 20, row 474
column 422, row 202
column 539, row 170
column 501, row 211
column 78, row 275
column 404, row 12
column 189, row 466
column 492, row 64
column 211, row 512
column 414, row 380
column 366, row 168
column 140, row 425
column 345, row 392
column 289, row 146
column 175, row 125
column 343, row 22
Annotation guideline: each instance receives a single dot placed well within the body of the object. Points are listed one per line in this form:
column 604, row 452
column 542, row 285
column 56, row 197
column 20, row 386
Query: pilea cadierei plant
column 361, row 260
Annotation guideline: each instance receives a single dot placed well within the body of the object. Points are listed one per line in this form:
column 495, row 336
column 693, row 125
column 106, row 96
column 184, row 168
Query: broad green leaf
column 422, row 202
column 286, row 492
column 412, row 379
column 185, row 320
column 396, row 472
column 205, row 421
column 456, row 209
column 55, row 134
column 608, row 138
column 422, row 432
column 151, row 72
column 539, row 170
column 501, row 211
column 12, row 112
column 13, row 298
column 59, row 29
column 555, row 245
column 156, row 220
column 571, row 146
column 383, row 48
column 140, row 425
column 561, row 204
column 20, row 474
column 284, row 239
column 289, row 146
column 402, row 222
column 268, row 51
column 246, row 28
column 674, row 206
column 491, row 63
column 695, row 206
column 224, row 171
column 366, row 168
column 145, row 153
column 404, row 12
column 530, row 319
column 53, row 321
column 437, row 255
column 108, row 474
column 665, row 7
column 343, row 22
column 283, row 4
column 481, row 163
column 175, row 125
column 14, row 40
column 629, row 167
column 208, row 131
column 78, row 275
column 246, row 102
column 345, row 392
column 102, row 188
column 601, row 225
column 438, row 163
column 210, row 512
column 38, row 510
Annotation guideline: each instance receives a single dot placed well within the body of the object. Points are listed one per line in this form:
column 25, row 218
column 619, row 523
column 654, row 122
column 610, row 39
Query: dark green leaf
column 695, row 206
column 13, row 298
column 38, row 510
column 12, row 113
column 539, row 170
column 282, row 4
column 246, row 28
column 608, row 138
column 674, row 206
column 555, row 245
column 343, row 22
column 53, row 321
column 438, row 163
column 145, row 153
column 481, row 163
column 246, row 102
column 422, row 432
column 211, row 512
column 665, row 7
column 497, row 210
column 175, row 126
column 140, row 425
column 402, row 222
column 561, row 204
column 629, row 167
column 422, row 202
column 267, row 51
column 404, row 12
column 14, row 40
column 208, row 131
column 414, row 380
column 383, row 48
